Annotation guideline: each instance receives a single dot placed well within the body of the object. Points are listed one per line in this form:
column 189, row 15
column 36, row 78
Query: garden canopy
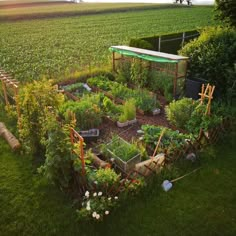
column 173, row 64
column 147, row 55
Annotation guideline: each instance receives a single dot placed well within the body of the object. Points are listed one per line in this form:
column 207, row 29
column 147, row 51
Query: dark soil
column 129, row 133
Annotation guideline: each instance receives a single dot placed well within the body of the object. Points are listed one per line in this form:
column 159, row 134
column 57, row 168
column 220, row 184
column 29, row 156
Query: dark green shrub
column 199, row 120
column 179, row 112
column 212, row 57
column 226, row 11
column 161, row 82
column 140, row 43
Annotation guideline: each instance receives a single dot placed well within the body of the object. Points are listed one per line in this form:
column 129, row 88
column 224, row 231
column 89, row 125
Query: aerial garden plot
column 105, row 133
column 100, row 135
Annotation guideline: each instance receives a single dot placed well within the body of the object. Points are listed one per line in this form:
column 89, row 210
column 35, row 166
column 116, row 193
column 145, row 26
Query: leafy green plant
column 128, row 111
column 179, row 112
column 212, row 57
column 105, row 179
column 120, row 148
column 171, row 140
column 96, row 206
column 110, row 109
column 39, row 102
column 58, row 166
column 123, row 70
column 87, row 112
column 101, row 82
column 200, row 120
column 161, row 82
column 139, row 73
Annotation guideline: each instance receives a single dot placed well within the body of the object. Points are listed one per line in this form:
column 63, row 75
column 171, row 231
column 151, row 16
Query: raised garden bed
column 90, row 135
column 125, row 155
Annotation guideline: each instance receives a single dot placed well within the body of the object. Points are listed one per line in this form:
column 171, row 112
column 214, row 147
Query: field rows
column 30, row 49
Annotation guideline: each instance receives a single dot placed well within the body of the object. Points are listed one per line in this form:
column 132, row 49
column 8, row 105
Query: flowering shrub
column 96, row 205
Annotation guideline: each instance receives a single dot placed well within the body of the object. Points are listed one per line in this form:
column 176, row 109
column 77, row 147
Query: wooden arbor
column 10, row 84
column 156, row 59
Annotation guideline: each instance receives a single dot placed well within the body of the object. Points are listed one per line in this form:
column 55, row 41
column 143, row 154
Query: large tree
column 226, row 11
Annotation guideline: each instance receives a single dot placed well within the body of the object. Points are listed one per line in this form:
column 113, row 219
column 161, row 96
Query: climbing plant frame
column 171, row 62
column 8, row 84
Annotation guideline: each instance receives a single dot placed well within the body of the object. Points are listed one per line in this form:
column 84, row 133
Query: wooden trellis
column 9, row 83
column 74, row 137
column 207, row 93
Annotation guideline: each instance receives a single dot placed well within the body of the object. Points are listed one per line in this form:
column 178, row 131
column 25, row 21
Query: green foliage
column 123, row 70
column 39, row 102
column 121, row 149
column 143, row 99
column 139, row 73
column 106, row 178
column 87, row 112
column 75, row 43
column 58, row 166
column 162, row 82
column 199, row 120
column 95, row 206
column 128, row 111
column 212, row 57
column 226, row 10
column 179, row 112
column 171, row 140
column 101, row 82
column 140, row 43
column 110, row 109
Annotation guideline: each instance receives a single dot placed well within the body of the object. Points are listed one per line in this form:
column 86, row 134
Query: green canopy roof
column 141, row 55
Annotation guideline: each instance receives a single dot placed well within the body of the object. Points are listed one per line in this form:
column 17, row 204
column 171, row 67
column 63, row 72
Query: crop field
column 40, row 9
column 51, row 47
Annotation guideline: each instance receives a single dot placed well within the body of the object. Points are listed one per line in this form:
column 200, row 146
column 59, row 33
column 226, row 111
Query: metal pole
column 183, row 39
column 159, row 44
column 113, row 61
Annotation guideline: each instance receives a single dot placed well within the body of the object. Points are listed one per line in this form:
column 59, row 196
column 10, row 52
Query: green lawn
column 51, row 47
column 200, row 204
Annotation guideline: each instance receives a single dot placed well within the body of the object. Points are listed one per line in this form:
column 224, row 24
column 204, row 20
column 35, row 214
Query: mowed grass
column 201, row 204
column 31, row 49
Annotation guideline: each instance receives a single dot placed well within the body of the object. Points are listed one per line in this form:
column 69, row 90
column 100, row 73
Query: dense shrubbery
column 226, row 11
column 212, row 57
column 179, row 112
column 87, row 112
column 191, row 116
column 39, row 102
column 140, row 43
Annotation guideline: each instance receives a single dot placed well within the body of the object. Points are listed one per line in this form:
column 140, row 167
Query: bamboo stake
column 158, row 143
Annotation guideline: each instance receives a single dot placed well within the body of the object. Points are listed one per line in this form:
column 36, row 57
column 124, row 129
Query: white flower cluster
column 88, row 207
column 98, row 216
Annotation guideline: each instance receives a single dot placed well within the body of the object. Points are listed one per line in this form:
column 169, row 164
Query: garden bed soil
column 109, row 127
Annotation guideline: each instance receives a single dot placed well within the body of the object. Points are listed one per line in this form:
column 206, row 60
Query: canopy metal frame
column 155, row 58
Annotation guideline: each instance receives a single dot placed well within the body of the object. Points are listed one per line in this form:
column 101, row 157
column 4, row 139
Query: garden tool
column 167, row 184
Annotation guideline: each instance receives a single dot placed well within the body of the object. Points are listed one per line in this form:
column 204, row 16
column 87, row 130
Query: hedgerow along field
column 54, row 47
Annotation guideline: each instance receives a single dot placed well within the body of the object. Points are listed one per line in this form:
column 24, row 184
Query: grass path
column 201, row 204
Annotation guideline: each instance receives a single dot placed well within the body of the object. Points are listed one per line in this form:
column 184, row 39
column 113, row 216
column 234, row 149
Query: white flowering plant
column 96, row 205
